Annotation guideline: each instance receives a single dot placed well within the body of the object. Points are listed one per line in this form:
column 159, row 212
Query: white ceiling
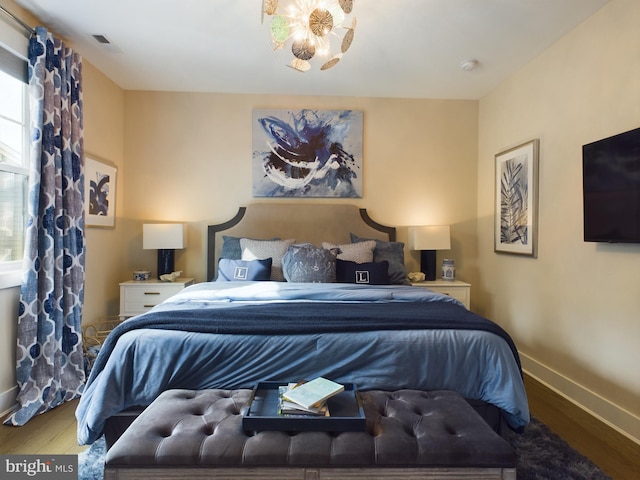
column 402, row 48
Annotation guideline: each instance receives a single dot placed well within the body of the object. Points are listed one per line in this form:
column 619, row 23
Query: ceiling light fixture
column 315, row 29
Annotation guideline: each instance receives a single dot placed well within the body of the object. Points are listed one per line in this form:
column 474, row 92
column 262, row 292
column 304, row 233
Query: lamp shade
column 163, row 236
column 430, row 237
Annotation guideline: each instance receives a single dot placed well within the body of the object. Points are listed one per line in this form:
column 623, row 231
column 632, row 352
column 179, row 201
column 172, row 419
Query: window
column 14, row 155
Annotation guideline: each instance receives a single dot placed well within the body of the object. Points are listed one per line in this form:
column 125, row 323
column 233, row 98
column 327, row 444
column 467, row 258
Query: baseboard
column 8, row 401
column 599, row 407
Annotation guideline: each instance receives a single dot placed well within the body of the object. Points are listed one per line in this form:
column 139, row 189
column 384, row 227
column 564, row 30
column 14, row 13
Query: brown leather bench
column 410, row 434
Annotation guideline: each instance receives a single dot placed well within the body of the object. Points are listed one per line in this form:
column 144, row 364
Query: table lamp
column 428, row 239
column 165, row 237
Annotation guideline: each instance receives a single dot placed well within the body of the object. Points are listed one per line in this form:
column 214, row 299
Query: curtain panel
column 49, row 356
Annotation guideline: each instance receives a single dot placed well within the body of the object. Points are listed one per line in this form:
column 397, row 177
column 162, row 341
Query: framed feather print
column 516, row 199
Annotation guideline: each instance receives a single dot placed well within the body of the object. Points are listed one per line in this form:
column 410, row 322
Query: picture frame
column 307, row 153
column 99, row 193
column 516, row 199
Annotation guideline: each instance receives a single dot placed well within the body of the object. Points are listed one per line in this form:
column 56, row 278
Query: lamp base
column 166, row 261
column 428, row 264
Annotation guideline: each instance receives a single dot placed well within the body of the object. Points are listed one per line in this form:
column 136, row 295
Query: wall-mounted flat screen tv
column 611, row 189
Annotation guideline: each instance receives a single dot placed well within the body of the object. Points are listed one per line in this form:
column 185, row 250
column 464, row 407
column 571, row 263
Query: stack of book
column 308, row 398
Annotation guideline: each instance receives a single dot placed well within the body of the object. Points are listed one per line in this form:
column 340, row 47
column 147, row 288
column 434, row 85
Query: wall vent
column 101, row 39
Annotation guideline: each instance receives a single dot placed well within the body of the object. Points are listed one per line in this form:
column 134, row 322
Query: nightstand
column 454, row 288
column 139, row 296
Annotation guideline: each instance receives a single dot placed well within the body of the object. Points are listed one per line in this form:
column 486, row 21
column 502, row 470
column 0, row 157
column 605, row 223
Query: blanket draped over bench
column 229, row 335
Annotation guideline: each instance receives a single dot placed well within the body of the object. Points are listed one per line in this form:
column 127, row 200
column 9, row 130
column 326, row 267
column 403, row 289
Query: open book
column 313, row 393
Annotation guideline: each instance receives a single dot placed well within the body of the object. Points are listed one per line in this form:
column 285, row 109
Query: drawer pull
column 149, row 306
column 152, row 293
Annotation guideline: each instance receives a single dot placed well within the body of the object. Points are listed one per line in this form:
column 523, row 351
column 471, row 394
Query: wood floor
column 615, row 454
column 55, row 433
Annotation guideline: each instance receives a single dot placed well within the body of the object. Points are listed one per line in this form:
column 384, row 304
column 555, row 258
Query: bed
column 255, row 327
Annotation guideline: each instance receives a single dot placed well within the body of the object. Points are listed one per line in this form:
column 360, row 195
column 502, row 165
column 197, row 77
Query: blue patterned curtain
column 49, row 355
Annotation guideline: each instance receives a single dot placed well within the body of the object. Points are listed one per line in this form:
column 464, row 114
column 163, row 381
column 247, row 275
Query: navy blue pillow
column 393, row 252
column 231, row 270
column 374, row 273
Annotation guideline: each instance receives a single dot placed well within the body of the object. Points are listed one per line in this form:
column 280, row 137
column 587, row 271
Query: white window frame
column 11, row 271
column 15, row 42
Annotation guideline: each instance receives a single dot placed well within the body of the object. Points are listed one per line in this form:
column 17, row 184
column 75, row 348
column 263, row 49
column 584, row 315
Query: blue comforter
column 232, row 335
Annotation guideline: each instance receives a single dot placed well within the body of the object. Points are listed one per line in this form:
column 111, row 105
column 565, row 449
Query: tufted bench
column 410, row 434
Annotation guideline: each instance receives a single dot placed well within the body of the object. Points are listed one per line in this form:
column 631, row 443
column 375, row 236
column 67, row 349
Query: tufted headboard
column 314, row 223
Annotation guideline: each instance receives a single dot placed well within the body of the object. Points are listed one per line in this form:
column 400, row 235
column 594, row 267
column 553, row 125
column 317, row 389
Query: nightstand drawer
column 454, row 288
column 458, row 293
column 139, row 297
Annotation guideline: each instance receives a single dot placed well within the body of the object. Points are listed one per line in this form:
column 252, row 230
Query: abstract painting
column 516, row 197
column 99, row 193
column 307, row 153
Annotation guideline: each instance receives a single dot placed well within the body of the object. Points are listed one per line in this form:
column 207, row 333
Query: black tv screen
column 611, row 189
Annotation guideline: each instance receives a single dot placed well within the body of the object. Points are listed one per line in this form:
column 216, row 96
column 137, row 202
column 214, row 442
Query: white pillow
column 361, row 252
column 263, row 249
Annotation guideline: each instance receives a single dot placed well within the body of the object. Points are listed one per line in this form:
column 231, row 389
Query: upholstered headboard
column 314, row 223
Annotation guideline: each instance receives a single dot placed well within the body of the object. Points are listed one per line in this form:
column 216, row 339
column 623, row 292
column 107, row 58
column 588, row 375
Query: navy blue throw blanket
column 307, row 318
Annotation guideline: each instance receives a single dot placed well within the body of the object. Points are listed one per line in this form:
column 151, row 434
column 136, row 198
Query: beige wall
column 104, row 140
column 189, row 159
column 575, row 310
column 9, row 298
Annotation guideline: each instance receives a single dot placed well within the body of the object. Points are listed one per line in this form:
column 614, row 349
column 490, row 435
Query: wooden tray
column 262, row 412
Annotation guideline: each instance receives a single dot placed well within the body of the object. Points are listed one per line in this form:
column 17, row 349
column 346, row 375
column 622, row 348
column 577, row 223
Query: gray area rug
column 542, row 455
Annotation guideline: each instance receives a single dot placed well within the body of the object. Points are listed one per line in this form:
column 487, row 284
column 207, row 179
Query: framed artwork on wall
column 516, row 199
column 307, row 153
column 99, row 193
